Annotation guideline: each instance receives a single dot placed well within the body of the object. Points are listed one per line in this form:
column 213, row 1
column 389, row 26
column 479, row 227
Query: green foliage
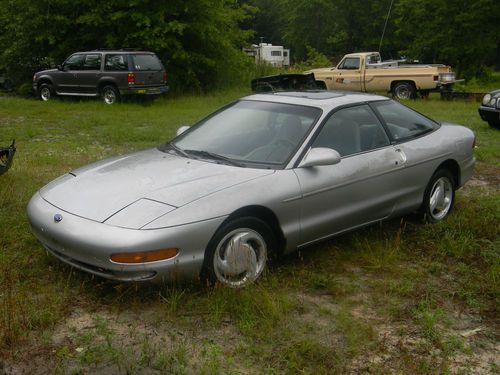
column 463, row 34
column 198, row 40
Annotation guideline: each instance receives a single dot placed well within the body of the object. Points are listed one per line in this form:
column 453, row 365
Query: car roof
column 316, row 98
column 121, row 51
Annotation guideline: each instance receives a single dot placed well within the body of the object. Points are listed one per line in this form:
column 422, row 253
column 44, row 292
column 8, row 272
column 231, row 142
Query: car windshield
column 249, row 132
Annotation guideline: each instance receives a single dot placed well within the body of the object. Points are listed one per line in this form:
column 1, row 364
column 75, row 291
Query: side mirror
column 182, row 129
column 59, row 67
column 320, row 156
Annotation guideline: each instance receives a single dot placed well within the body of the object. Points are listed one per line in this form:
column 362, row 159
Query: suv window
column 92, row 62
column 352, row 130
column 350, row 63
column 146, row 62
column 403, row 122
column 116, row 62
column 75, row 62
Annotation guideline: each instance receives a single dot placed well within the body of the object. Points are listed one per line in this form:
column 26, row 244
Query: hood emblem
column 58, row 218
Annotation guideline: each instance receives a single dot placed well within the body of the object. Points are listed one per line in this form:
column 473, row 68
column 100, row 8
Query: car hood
column 46, row 71
column 100, row 190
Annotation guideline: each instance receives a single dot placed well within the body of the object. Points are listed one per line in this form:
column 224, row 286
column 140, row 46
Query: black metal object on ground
column 471, row 96
column 6, row 157
column 285, row 82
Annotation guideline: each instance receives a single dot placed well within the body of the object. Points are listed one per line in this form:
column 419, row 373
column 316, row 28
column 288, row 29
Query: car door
column 362, row 188
column 88, row 77
column 411, row 134
column 66, row 80
column 348, row 74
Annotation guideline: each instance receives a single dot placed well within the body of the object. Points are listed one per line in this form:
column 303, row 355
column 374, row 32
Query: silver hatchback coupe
column 263, row 176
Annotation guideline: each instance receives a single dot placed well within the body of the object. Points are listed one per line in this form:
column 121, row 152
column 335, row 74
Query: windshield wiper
column 178, row 150
column 212, row 155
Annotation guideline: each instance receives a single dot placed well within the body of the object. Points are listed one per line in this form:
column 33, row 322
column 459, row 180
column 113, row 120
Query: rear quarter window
column 402, row 122
column 116, row 62
column 146, row 62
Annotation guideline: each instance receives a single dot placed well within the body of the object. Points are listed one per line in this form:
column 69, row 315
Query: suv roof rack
column 118, row 49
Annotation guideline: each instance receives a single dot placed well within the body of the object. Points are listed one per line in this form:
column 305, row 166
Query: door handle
column 402, row 156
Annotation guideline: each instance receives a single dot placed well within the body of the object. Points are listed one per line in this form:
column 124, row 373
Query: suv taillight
column 131, row 78
column 165, row 77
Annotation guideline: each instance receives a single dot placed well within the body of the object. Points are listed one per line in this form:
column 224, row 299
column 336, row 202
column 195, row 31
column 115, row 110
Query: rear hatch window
column 146, row 62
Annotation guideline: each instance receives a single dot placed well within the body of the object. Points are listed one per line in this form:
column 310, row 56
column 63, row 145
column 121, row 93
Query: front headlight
column 493, row 101
column 486, row 99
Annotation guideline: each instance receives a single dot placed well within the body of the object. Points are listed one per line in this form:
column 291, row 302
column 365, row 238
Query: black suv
column 105, row 73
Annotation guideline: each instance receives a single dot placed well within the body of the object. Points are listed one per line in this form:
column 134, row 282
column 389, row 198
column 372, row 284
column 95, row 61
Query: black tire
column 110, row 94
column 439, row 196
column 253, row 236
column 403, row 91
column 494, row 124
column 45, row 92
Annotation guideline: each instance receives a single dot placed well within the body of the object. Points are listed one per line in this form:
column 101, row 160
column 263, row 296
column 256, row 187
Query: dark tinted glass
column 116, row 62
column 351, row 131
column 92, row 62
column 146, row 62
column 75, row 62
column 402, row 121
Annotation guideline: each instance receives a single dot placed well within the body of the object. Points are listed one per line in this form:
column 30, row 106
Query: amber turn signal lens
column 144, row 257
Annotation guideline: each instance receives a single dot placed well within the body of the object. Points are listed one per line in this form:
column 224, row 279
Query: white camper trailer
column 266, row 52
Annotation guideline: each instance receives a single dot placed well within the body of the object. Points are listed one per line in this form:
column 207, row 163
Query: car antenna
column 385, row 26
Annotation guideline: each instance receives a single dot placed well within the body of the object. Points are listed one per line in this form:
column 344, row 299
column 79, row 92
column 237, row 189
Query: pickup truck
column 367, row 72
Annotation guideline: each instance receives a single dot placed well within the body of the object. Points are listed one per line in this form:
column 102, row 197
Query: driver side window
column 350, row 63
column 351, row 131
column 75, row 62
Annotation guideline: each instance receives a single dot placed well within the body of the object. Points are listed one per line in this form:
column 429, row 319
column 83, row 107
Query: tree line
column 200, row 41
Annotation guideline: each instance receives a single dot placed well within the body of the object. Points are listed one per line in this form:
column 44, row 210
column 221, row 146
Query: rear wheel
column 237, row 254
column 110, row 94
column 403, row 90
column 439, row 196
column 45, row 92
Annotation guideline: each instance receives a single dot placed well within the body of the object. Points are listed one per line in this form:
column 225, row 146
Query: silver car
column 261, row 177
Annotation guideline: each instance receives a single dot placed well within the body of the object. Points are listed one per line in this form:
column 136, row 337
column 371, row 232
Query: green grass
column 390, row 297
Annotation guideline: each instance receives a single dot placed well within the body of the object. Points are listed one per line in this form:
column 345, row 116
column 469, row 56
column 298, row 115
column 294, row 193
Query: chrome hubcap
column 440, row 198
column 403, row 92
column 109, row 97
column 45, row 94
column 240, row 257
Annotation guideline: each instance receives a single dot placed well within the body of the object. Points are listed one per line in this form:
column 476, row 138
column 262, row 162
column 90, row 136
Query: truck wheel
column 45, row 92
column 110, row 94
column 403, row 91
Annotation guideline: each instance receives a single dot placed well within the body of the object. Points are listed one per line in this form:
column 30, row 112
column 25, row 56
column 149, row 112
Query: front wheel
column 45, row 92
column 237, row 254
column 439, row 196
column 110, row 94
column 403, row 91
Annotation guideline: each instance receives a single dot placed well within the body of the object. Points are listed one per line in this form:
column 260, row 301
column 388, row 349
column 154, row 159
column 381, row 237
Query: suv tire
column 110, row 94
column 45, row 92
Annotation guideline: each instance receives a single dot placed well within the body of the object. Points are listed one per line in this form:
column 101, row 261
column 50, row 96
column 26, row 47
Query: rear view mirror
column 320, row 156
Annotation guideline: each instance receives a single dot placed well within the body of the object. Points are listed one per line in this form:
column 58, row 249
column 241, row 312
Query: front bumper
column 489, row 114
column 88, row 245
column 156, row 90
